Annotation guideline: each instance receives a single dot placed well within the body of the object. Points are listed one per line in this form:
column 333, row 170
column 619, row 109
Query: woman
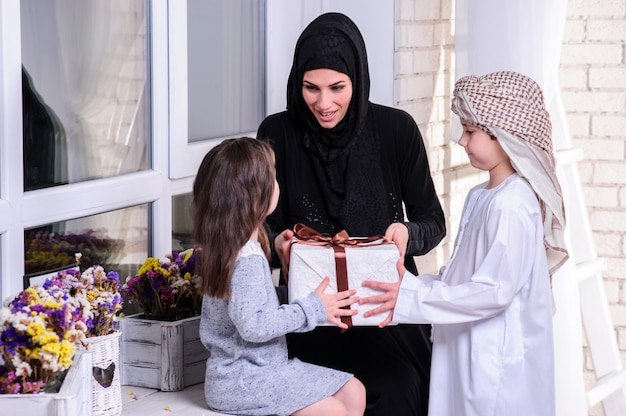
column 344, row 163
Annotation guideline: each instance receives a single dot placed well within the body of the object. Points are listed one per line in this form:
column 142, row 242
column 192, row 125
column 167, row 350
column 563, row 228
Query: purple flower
column 114, row 276
column 8, row 384
column 163, row 288
column 11, row 339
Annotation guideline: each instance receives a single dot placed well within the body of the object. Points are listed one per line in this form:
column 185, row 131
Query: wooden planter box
column 162, row 355
column 73, row 399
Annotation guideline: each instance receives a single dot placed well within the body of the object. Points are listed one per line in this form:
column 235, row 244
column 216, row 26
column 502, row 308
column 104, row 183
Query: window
column 113, row 240
column 74, row 85
column 182, row 222
column 84, row 83
column 216, row 76
column 225, row 77
column 106, row 144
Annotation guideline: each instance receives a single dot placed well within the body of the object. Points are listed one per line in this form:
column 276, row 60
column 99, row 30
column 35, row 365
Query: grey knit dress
column 248, row 371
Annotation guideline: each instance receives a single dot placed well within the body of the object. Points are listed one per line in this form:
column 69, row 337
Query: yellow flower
column 53, row 348
column 35, row 329
column 48, row 338
column 34, row 354
column 147, row 265
column 152, row 263
column 33, row 296
column 50, row 304
column 66, row 352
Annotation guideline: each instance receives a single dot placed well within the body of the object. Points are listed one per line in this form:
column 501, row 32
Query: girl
column 243, row 325
column 491, row 304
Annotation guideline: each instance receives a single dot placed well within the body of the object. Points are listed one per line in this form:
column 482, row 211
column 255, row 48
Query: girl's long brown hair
column 232, row 193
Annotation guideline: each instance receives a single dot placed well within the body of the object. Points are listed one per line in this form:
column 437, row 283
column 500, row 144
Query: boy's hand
column 387, row 299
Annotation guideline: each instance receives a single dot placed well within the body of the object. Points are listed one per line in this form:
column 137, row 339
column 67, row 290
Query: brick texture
column 593, row 76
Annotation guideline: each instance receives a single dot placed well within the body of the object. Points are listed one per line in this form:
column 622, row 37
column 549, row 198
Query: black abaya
column 393, row 363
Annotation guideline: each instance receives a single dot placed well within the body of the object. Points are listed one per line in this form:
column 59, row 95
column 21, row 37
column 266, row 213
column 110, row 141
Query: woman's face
column 328, row 94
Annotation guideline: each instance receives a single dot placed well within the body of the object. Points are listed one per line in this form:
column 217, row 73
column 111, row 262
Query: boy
column 491, row 304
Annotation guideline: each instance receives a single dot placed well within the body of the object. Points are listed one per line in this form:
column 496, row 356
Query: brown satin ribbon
column 338, row 242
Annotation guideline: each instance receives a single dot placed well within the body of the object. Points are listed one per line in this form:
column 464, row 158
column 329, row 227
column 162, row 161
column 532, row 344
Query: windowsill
column 140, row 401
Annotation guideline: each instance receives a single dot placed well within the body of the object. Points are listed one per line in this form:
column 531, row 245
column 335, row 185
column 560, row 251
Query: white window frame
column 185, row 156
column 19, row 210
column 11, row 154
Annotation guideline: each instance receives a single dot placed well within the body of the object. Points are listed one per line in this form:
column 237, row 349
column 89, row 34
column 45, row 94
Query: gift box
column 311, row 260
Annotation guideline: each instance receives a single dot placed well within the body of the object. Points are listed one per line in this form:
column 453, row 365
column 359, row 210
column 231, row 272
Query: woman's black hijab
column 344, row 157
column 331, row 41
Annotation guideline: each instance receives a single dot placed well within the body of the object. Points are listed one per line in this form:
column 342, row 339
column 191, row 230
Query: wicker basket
column 105, row 384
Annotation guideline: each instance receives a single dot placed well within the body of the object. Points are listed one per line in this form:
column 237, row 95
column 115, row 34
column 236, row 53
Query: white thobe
column 491, row 307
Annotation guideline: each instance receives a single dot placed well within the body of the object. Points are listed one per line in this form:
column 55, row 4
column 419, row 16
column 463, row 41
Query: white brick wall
column 593, row 80
column 424, row 66
column 593, row 83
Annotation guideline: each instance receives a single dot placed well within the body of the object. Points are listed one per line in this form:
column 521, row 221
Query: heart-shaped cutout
column 104, row 376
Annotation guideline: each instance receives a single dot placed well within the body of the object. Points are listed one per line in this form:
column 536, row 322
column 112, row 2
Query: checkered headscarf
column 510, row 107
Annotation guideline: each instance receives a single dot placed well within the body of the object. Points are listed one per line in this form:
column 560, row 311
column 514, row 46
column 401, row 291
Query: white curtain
column 526, row 36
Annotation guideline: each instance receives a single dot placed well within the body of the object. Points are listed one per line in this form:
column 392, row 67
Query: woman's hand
column 398, row 233
column 387, row 299
column 282, row 245
column 334, row 303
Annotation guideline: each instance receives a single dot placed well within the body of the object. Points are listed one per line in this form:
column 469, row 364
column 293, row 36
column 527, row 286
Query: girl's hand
column 387, row 299
column 282, row 245
column 334, row 303
column 398, row 233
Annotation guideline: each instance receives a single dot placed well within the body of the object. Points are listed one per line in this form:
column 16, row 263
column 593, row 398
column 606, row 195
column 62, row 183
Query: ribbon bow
column 339, row 241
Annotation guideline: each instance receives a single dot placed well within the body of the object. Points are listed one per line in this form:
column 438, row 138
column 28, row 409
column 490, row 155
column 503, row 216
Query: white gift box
column 309, row 264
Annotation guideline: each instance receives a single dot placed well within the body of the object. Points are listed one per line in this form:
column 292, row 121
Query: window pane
column 85, row 79
column 182, row 222
column 116, row 240
column 225, row 67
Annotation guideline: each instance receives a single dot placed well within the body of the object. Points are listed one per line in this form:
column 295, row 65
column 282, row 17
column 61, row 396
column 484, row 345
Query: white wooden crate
column 163, row 355
column 73, row 399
